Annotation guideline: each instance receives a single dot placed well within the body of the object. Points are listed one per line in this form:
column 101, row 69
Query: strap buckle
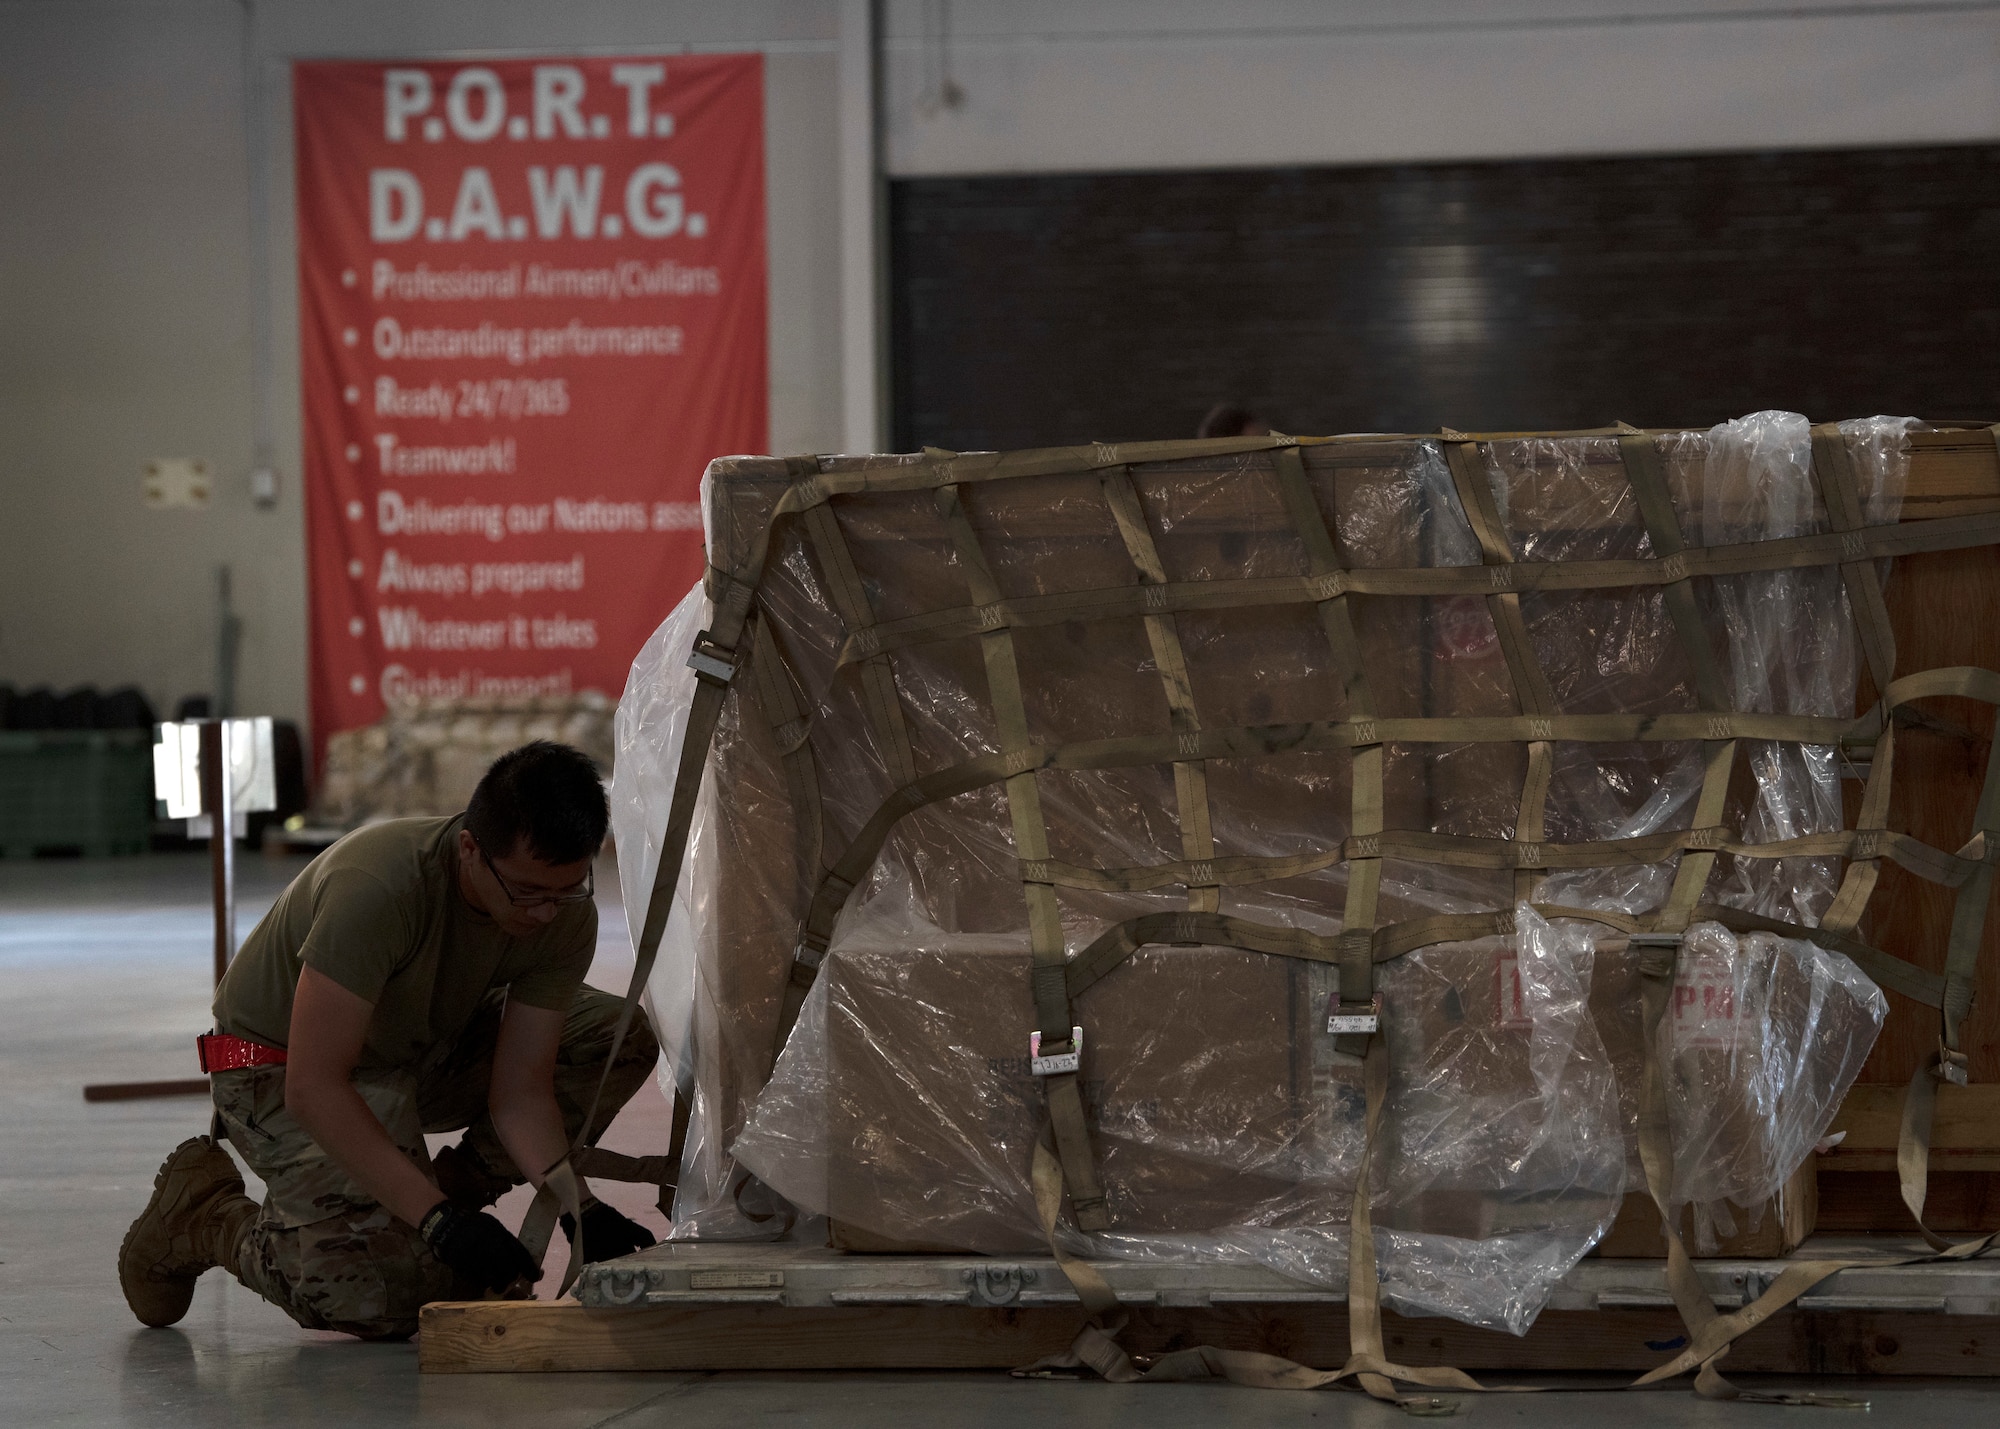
column 1953, row 1066
column 712, row 660
column 1055, row 1063
column 1350, row 1019
column 1657, row 953
column 811, row 949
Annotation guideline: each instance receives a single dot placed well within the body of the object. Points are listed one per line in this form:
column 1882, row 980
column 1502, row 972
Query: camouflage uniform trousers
column 329, row 1255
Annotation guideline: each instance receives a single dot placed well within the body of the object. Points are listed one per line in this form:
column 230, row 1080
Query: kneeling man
column 421, row 975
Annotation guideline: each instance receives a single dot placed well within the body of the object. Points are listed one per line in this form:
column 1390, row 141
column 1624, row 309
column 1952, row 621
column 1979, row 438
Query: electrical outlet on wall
column 177, row 481
column 264, row 486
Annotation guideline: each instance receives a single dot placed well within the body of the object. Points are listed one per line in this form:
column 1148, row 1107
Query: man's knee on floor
column 366, row 1277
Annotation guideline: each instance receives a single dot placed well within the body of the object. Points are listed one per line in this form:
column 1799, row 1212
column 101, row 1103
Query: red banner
column 532, row 301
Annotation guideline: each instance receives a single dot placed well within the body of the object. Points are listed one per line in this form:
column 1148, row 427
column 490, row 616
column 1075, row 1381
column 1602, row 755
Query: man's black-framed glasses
column 520, row 899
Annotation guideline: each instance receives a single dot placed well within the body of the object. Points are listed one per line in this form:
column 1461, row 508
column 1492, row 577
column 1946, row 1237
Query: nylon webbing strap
column 559, row 1192
column 1644, row 474
column 1968, row 916
column 791, row 729
column 1031, row 841
column 878, row 681
column 1096, row 1345
column 1364, row 871
column 714, row 662
column 1707, row 1329
column 1871, row 842
column 1163, row 635
column 1833, row 477
column 1961, row 964
column 1467, row 851
column 1524, row 669
column 1953, row 533
column 1656, row 979
column 1833, row 474
column 1691, row 877
column 1931, row 863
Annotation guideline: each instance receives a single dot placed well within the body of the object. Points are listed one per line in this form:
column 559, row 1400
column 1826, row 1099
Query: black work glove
column 477, row 1247
column 607, row 1232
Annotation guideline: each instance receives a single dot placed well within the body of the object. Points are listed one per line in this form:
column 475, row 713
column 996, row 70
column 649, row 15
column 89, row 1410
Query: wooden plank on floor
column 534, row 1336
column 525, row 1337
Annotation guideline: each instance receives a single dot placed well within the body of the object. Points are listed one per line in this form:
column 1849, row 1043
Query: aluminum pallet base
column 711, row 1274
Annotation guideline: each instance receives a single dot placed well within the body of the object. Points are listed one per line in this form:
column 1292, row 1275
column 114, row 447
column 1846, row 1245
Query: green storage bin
column 76, row 790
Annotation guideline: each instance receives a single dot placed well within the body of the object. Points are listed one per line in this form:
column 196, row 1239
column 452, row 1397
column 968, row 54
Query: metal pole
column 863, row 235
column 218, row 797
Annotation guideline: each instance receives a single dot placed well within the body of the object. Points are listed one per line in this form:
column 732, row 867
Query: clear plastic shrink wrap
column 1225, row 1126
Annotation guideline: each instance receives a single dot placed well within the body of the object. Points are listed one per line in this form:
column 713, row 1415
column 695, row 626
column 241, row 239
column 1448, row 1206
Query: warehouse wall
column 130, row 301
column 1538, row 293
column 1078, row 85
column 124, row 334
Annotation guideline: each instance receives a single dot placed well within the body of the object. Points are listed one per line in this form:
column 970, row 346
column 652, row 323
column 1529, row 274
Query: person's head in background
column 1226, row 419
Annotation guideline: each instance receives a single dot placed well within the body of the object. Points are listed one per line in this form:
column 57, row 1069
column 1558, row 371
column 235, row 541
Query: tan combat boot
column 194, row 1221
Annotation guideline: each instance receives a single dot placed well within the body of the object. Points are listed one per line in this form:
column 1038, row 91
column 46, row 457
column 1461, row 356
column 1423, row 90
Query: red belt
column 220, row 1052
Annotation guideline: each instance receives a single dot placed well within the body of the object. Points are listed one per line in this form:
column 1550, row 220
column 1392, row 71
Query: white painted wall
column 129, row 283
column 125, row 334
column 1053, row 85
column 128, row 288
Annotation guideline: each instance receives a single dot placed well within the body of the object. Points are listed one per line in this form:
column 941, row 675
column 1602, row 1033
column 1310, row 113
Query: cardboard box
column 1196, row 1076
column 1776, row 1228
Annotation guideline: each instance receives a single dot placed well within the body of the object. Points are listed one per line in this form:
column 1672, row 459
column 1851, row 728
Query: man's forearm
column 340, row 1121
column 531, row 1128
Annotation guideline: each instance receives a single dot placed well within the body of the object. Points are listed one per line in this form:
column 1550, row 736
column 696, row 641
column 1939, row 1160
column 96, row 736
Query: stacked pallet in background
column 426, row 757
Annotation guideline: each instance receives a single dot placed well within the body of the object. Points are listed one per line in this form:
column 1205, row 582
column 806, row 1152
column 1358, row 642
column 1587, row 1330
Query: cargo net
column 1136, row 849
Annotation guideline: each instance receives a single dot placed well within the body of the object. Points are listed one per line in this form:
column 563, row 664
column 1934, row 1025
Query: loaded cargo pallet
column 824, row 754
column 748, row 1307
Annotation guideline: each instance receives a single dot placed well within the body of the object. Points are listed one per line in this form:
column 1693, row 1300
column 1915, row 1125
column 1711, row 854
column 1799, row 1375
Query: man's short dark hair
column 545, row 795
column 1228, row 419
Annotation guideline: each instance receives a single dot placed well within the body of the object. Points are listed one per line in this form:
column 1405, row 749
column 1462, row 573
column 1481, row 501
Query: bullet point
column 350, row 337
column 353, row 395
column 697, row 224
column 347, row 279
column 353, row 452
column 600, row 126
column 663, row 126
column 356, row 625
column 359, row 684
column 354, row 568
column 354, row 510
column 517, row 128
column 611, row 226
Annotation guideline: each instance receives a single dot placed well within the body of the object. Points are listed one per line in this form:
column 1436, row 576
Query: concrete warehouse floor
column 104, row 977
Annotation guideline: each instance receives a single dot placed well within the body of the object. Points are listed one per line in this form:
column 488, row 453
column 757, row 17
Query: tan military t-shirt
column 380, row 913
